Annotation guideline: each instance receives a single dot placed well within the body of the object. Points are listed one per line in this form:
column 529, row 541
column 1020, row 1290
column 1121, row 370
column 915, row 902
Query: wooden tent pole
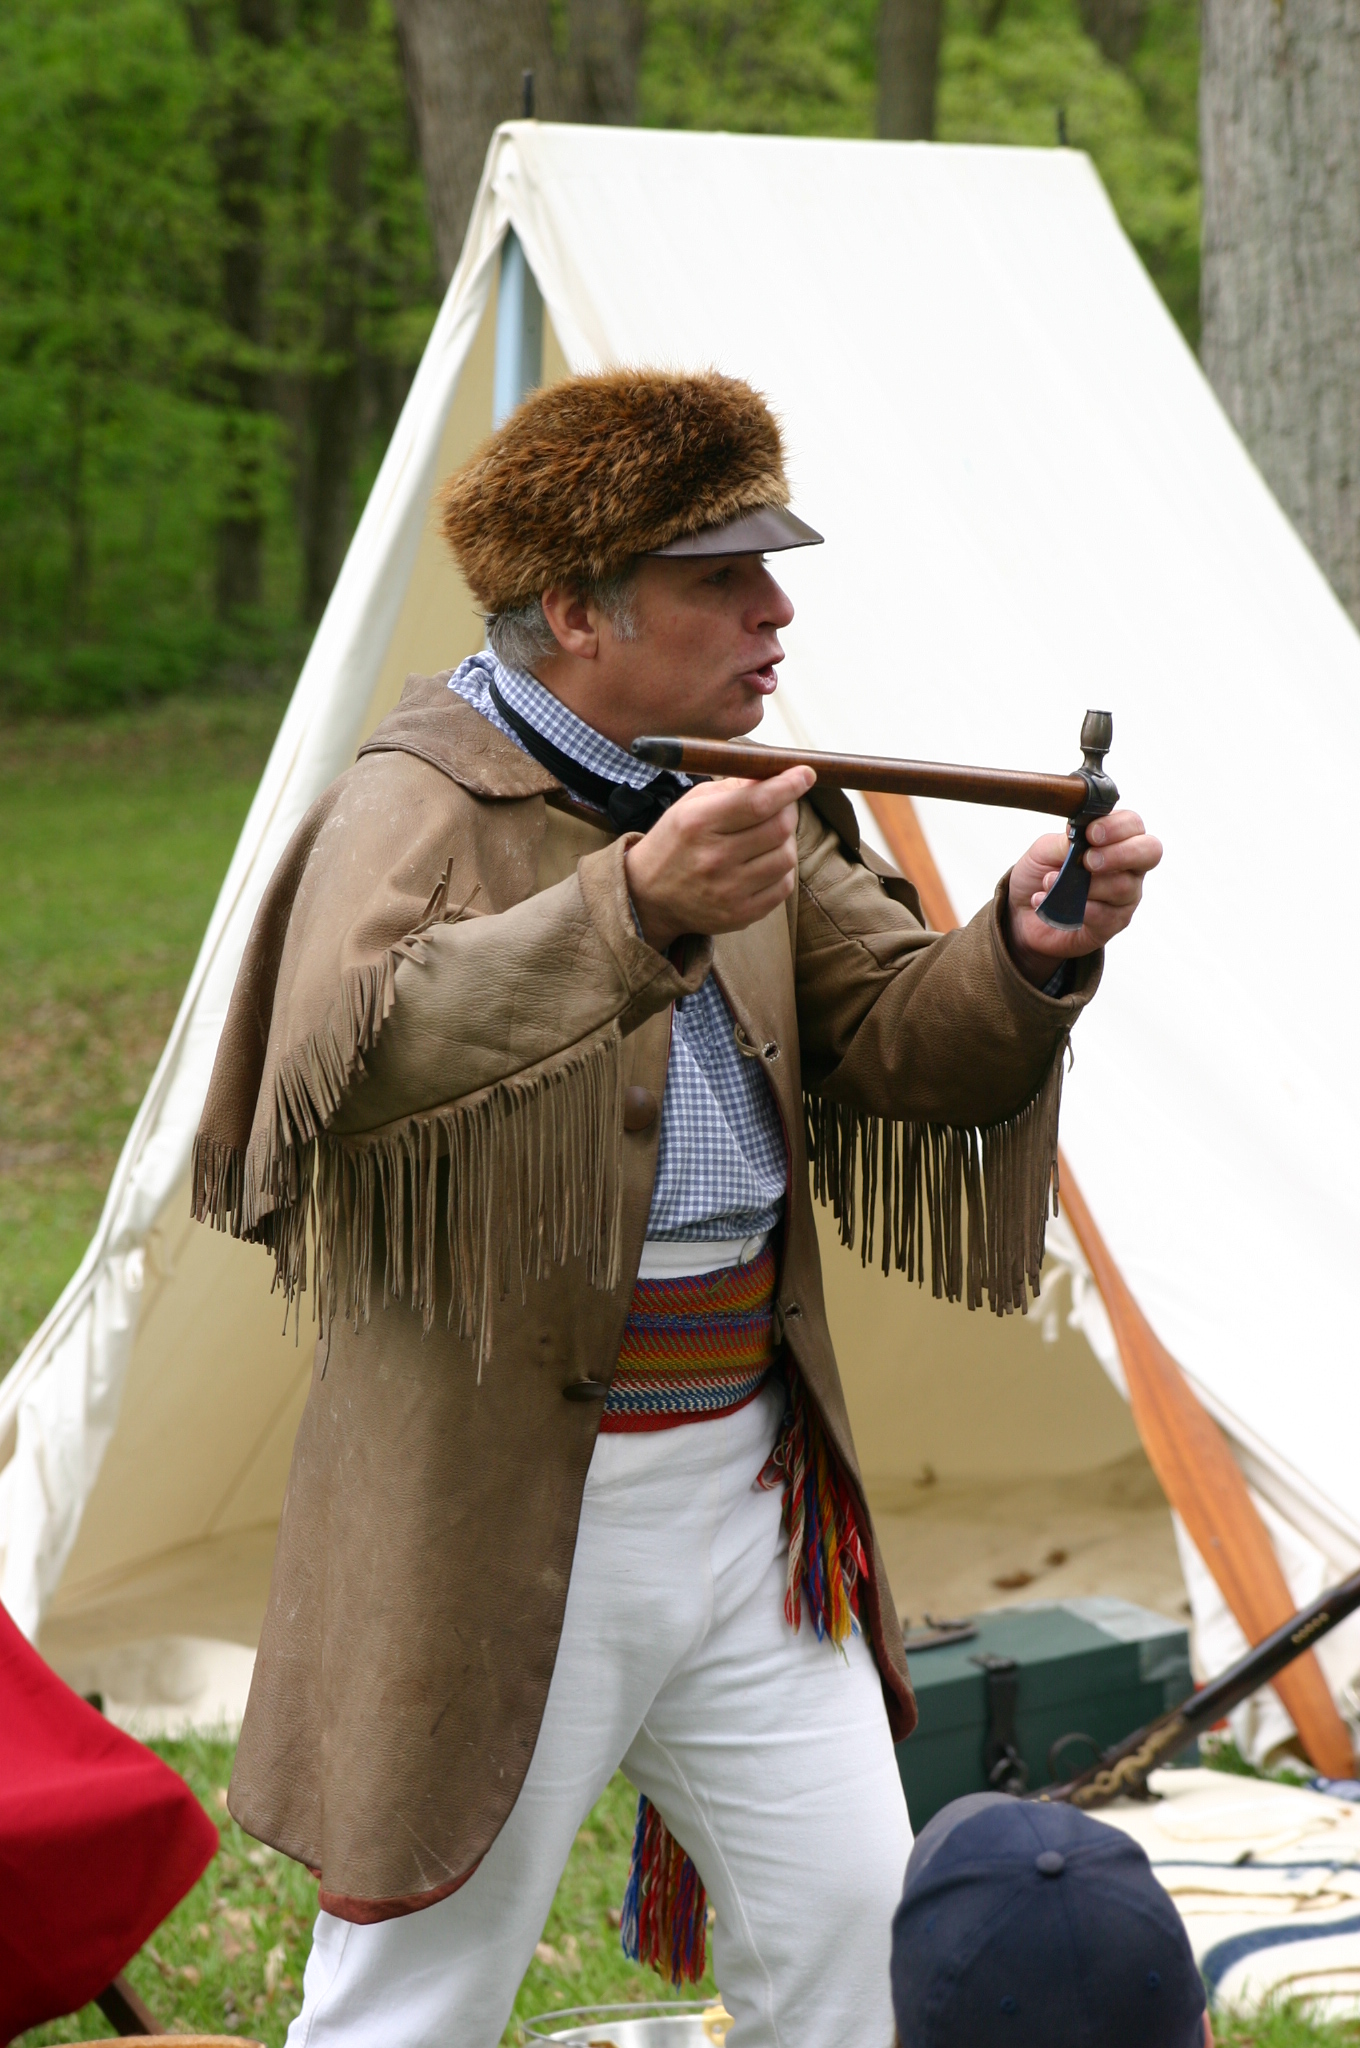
column 1185, row 1447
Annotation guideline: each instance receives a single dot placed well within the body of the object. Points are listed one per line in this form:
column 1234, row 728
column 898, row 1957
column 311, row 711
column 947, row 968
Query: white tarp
column 1267, row 1881
column 1032, row 503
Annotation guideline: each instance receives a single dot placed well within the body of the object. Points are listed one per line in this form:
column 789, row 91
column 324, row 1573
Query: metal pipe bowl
column 682, row 2023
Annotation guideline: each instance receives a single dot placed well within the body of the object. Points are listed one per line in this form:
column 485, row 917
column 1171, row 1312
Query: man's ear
column 572, row 628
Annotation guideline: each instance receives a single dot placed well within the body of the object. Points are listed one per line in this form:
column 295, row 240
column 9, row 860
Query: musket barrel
column 1260, row 1664
column 1125, row 1767
column 1013, row 789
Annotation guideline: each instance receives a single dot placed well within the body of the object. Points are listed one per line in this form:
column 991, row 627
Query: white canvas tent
column 1032, row 503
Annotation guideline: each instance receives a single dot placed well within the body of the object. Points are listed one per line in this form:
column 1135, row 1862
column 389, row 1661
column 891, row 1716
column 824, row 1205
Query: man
column 522, row 1048
column 1041, row 1927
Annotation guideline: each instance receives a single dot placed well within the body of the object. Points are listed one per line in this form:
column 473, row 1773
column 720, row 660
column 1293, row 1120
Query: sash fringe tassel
column 826, row 1552
column 665, row 1908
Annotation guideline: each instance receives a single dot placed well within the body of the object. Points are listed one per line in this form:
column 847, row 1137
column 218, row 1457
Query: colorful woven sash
column 694, row 1347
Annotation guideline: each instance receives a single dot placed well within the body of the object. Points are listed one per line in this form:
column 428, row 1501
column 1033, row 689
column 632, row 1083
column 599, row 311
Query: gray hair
column 523, row 636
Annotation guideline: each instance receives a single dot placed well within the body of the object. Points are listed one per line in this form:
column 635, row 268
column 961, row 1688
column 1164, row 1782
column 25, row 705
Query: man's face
column 703, row 659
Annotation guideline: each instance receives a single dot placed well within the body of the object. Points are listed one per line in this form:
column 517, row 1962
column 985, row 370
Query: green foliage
column 153, row 156
column 808, row 67
column 104, row 465
column 216, row 277
column 123, row 430
column 780, row 67
column 1139, row 126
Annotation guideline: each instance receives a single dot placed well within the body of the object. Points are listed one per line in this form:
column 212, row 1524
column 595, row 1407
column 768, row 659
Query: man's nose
column 773, row 608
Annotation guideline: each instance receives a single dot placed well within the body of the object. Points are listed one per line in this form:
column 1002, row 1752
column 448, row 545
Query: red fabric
column 98, row 1841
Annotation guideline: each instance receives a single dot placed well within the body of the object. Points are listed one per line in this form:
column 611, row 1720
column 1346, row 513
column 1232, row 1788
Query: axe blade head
column 1064, row 907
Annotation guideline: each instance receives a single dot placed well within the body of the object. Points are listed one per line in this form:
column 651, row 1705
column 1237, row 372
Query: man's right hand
column 723, row 857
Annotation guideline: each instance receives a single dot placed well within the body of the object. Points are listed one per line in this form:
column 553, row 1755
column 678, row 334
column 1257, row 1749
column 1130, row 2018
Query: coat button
column 639, row 1109
column 585, row 1390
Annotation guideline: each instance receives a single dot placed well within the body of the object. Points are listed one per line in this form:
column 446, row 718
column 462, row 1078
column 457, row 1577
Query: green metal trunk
column 1098, row 1667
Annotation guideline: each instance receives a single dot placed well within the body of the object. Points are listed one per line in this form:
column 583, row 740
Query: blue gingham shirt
column 722, row 1165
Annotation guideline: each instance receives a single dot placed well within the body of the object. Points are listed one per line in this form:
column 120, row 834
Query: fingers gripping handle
column 1064, row 907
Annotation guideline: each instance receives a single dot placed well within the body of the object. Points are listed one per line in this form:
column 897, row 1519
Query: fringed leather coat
column 436, row 1100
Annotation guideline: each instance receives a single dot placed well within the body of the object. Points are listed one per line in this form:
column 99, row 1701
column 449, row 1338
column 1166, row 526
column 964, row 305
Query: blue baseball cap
column 1035, row 1926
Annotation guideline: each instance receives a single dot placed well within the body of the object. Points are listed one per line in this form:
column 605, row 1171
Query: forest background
column 217, row 272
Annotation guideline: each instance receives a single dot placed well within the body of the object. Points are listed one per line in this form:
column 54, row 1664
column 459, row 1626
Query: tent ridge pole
column 519, row 331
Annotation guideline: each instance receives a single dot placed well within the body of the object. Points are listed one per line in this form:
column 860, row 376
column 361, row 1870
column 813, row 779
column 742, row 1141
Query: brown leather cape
column 435, row 1101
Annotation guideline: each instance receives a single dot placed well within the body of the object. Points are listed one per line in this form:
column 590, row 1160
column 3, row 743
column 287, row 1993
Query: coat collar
column 435, row 724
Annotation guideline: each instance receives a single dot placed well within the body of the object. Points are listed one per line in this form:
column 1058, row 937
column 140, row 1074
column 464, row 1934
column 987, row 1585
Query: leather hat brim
column 767, row 531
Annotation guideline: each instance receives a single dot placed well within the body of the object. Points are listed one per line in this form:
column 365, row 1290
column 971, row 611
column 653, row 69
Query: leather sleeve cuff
column 1083, row 980
column 651, row 978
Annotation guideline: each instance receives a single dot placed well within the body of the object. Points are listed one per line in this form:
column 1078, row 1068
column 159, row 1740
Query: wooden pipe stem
column 1013, row 789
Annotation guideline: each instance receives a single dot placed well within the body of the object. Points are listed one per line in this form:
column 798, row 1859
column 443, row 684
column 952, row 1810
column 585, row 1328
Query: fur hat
column 590, row 472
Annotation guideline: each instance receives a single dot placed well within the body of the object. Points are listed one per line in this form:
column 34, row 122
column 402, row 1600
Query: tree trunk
column 77, row 501
column 333, row 391
column 1280, row 282
column 908, row 68
column 243, row 167
column 464, row 62
column 604, row 42
column 1115, row 25
column 76, row 494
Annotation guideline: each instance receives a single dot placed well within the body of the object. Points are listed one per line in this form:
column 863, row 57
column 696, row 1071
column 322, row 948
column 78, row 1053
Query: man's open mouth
column 762, row 679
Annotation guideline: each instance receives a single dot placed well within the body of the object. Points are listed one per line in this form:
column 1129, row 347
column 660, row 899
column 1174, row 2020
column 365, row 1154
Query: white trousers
column 766, row 1752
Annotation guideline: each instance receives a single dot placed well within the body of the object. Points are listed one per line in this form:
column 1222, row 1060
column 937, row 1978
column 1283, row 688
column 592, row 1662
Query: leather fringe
column 534, row 1178
column 238, row 1191
column 527, row 1174
column 491, row 1191
column 920, row 1175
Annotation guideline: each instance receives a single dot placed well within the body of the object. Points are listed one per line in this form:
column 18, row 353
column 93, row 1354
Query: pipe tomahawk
column 1081, row 797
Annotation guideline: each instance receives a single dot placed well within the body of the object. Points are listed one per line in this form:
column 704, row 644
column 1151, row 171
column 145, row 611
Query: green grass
column 230, row 1957
column 114, row 837
column 1283, row 2026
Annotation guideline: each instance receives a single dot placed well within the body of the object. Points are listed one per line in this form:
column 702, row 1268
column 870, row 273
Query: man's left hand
column 1119, row 854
